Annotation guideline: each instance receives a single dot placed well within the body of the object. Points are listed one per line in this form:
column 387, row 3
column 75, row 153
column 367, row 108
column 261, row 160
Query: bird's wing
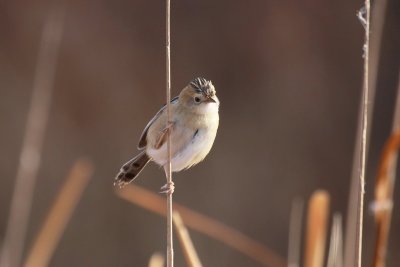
column 143, row 138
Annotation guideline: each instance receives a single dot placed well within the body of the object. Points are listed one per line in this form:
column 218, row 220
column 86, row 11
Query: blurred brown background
column 288, row 74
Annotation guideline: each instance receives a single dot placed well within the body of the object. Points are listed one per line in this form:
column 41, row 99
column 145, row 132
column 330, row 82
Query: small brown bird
column 193, row 127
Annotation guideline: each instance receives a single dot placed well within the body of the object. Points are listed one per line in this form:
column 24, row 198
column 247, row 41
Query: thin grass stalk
column 156, row 260
column 335, row 255
column 59, row 215
column 296, row 218
column 205, row 225
column 377, row 25
column 318, row 212
column 363, row 140
column 170, row 244
column 31, row 152
column 191, row 256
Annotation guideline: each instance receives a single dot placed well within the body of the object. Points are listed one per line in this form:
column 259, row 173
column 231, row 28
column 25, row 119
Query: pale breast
column 194, row 152
column 191, row 140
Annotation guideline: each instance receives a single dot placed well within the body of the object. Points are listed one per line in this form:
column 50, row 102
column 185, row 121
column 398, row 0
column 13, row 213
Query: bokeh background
column 289, row 77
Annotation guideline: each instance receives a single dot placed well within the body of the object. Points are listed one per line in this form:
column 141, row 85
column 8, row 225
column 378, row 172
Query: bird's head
column 200, row 95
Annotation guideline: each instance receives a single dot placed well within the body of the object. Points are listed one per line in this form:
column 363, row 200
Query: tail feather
column 130, row 170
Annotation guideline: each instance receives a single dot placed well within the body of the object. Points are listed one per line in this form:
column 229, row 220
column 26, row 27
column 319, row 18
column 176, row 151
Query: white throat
column 207, row 108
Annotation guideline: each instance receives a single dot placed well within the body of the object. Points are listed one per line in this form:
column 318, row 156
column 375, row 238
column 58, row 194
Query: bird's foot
column 168, row 188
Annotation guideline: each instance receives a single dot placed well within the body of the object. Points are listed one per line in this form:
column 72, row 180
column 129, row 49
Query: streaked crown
column 201, row 85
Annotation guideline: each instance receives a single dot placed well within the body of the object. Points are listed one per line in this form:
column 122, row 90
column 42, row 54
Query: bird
column 193, row 126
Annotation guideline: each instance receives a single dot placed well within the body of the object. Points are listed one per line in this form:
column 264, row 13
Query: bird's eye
column 197, row 99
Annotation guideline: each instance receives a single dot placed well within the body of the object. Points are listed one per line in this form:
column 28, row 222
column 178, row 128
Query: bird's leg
column 169, row 187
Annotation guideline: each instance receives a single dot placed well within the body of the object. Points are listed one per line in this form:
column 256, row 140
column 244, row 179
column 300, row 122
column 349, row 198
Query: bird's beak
column 213, row 99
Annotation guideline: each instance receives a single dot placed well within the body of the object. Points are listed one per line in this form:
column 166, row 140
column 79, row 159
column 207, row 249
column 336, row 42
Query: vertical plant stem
column 363, row 140
column 378, row 17
column 31, row 151
column 317, row 219
column 170, row 247
column 383, row 203
column 384, row 188
column 335, row 256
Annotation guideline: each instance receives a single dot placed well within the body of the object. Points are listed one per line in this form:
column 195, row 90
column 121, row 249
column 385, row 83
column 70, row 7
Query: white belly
column 195, row 150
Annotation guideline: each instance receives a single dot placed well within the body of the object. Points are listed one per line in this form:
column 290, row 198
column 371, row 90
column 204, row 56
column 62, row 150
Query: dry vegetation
column 317, row 236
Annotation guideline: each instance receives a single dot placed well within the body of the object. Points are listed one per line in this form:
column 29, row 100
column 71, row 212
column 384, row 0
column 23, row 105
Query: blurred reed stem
column 335, row 256
column 317, row 218
column 156, row 260
column 192, row 259
column 59, row 215
column 383, row 204
column 31, row 151
column 204, row 224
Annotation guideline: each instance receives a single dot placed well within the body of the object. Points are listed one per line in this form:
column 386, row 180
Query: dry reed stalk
column 192, row 259
column 384, row 198
column 170, row 244
column 363, row 138
column 296, row 217
column 318, row 212
column 59, row 214
column 378, row 20
column 335, row 256
column 30, row 158
column 204, row 224
column 156, row 260
column 384, row 188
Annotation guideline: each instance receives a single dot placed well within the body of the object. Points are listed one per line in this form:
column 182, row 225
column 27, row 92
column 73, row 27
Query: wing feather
column 143, row 138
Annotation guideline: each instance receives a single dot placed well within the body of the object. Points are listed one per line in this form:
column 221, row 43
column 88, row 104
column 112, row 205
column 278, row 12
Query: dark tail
column 130, row 170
